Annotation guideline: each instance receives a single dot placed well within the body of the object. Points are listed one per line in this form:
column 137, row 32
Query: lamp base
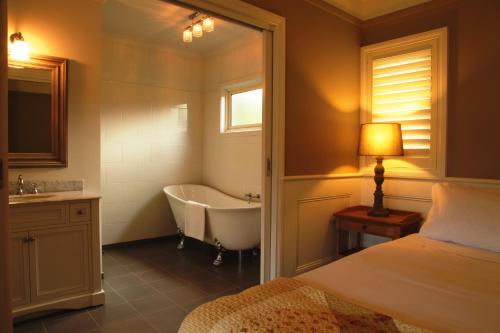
column 378, row 212
column 378, row 209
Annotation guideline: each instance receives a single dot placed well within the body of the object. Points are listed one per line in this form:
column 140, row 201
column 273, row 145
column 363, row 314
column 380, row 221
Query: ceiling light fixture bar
column 199, row 24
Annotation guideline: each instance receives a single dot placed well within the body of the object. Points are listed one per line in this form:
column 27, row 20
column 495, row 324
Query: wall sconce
column 18, row 49
column 197, row 27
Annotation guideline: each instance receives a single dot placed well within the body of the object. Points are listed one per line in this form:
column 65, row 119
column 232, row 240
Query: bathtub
column 230, row 223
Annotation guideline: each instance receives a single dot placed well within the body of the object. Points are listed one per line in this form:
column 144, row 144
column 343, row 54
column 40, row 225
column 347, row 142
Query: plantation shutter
column 402, row 93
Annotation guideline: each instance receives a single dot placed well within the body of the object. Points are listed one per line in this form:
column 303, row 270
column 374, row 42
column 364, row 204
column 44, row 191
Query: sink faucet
column 34, row 187
column 20, row 185
column 251, row 196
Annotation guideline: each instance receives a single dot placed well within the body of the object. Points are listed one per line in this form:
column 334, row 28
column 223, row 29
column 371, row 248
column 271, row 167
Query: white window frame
column 434, row 166
column 226, row 106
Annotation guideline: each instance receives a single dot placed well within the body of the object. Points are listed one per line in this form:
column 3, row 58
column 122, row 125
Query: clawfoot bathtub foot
column 218, row 260
column 180, row 246
column 240, row 257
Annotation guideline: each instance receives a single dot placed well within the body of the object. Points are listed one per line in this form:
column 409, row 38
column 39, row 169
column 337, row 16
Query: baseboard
column 138, row 241
column 69, row 303
column 312, row 265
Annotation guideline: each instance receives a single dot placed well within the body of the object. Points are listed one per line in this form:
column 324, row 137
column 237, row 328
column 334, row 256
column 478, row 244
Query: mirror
column 37, row 112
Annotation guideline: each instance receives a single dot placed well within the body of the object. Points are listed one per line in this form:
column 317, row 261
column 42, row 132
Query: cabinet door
column 20, row 268
column 59, row 262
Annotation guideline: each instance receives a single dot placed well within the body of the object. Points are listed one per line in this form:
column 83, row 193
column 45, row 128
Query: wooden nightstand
column 398, row 224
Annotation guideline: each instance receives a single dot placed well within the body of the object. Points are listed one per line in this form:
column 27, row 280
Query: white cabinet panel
column 19, row 250
column 59, row 262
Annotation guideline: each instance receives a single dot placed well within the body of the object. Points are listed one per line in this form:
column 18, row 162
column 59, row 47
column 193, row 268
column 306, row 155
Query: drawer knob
column 365, row 227
column 80, row 212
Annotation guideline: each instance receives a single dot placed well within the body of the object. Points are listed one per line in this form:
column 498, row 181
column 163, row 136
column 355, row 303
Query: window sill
column 248, row 130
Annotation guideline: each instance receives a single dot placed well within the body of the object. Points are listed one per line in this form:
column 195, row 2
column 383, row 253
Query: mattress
column 436, row 285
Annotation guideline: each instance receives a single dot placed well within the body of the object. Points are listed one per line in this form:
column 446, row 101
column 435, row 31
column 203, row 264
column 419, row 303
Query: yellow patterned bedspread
column 288, row 305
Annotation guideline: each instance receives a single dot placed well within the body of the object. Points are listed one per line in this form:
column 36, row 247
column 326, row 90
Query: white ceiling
column 162, row 23
column 367, row 9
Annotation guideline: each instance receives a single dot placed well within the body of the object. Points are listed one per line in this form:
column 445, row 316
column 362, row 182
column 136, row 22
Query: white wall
column 147, row 142
column 231, row 161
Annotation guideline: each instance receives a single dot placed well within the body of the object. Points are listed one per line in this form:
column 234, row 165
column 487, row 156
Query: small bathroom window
column 242, row 109
column 182, row 117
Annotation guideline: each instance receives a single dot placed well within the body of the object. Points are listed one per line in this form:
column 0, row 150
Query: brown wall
column 474, row 76
column 322, row 89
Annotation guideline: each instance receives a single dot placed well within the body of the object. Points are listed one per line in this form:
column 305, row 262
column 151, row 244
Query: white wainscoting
column 312, row 228
column 308, row 237
column 410, row 194
column 308, row 234
column 414, row 195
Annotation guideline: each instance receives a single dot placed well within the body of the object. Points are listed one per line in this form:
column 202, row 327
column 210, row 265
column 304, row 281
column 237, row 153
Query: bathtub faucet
column 251, row 196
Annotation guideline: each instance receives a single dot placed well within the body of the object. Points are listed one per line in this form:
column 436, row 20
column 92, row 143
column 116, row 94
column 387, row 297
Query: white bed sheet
column 440, row 286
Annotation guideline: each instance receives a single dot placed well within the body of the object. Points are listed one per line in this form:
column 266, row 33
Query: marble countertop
column 16, row 200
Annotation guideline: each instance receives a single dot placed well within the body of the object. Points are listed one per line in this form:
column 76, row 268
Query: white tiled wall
column 231, row 161
column 147, row 141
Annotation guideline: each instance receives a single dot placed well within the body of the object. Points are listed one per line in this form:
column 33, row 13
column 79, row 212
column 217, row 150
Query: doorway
column 273, row 101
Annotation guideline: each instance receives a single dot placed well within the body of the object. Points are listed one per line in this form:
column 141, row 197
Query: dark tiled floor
column 151, row 286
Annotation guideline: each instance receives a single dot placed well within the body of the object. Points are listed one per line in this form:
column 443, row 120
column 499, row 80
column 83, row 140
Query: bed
column 414, row 284
column 433, row 284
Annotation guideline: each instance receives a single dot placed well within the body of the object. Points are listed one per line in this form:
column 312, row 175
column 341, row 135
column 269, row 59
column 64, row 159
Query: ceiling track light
column 197, row 29
column 187, row 36
column 208, row 24
column 199, row 25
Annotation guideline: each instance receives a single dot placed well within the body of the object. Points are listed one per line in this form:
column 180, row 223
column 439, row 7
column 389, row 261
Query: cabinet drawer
column 37, row 216
column 369, row 228
column 79, row 212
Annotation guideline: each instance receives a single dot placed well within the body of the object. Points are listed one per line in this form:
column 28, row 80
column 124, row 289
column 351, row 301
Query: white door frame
column 5, row 269
column 273, row 27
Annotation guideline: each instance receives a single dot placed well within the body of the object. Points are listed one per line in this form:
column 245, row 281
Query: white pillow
column 464, row 215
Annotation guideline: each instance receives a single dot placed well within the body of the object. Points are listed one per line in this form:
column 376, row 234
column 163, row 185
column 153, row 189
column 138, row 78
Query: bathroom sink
column 28, row 197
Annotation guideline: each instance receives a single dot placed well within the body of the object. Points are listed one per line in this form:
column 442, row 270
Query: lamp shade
column 380, row 139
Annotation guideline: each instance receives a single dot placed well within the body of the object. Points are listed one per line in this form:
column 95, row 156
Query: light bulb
column 187, row 36
column 208, row 24
column 197, row 30
column 19, row 49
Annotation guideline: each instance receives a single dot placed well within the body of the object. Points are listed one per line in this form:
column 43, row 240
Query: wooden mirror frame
column 58, row 156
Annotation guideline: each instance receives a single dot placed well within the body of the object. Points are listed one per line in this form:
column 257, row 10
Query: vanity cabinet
column 55, row 250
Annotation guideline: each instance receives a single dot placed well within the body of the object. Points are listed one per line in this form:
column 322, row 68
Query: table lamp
column 379, row 140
